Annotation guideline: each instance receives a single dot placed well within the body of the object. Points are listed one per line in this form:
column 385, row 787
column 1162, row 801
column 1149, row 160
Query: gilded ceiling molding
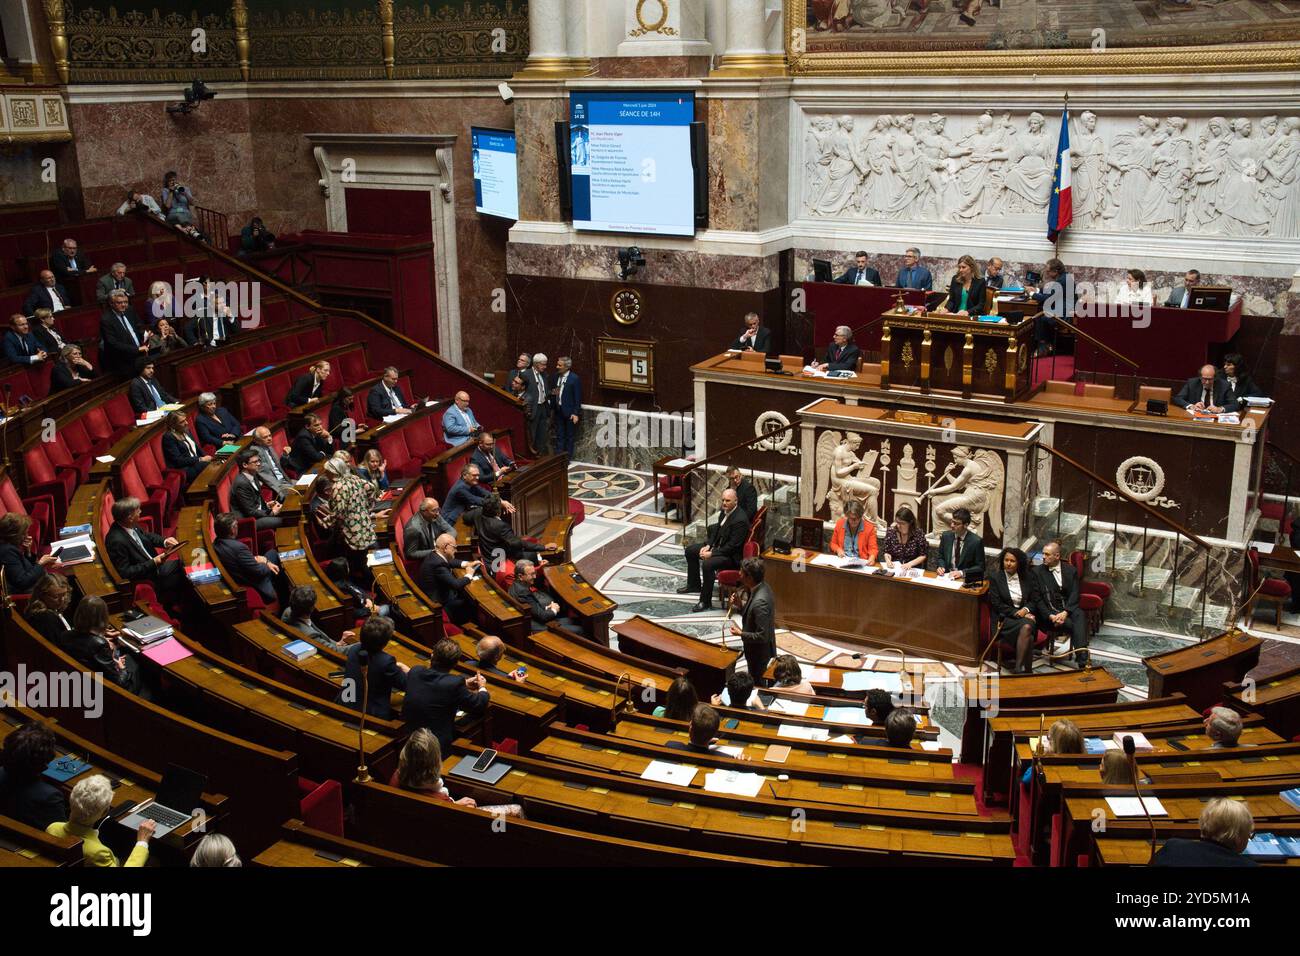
column 58, row 37
column 386, row 20
column 239, row 12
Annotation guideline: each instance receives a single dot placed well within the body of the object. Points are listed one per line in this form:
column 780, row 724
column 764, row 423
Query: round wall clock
column 625, row 305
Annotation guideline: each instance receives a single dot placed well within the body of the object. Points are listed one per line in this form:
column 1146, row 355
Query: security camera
column 630, row 261
column 195, row 94
column 507, row 94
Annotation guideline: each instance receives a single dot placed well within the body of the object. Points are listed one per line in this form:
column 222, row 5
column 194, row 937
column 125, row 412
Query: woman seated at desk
column 1013, row 596
column 1136, row 290
column 903, row 543
column 966, row 291
column 853, row 537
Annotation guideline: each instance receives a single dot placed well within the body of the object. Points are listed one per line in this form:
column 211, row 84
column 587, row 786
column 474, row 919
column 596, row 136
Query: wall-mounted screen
column 496, row 172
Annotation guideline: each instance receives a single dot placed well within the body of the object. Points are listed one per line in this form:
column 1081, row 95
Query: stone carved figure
column 1136, row 175
column 1283, row 164
column 842, row 476
column 978, row 485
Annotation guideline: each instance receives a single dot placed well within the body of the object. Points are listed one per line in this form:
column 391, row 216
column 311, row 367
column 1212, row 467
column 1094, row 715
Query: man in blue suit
column 20, row 346
column 913, row 275
column 567, row 401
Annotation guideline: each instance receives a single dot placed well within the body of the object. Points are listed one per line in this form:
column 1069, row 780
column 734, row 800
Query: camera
column 630, row 261
column 194, row 94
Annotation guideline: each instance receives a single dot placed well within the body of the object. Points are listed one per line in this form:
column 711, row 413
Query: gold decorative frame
column 1281, row 55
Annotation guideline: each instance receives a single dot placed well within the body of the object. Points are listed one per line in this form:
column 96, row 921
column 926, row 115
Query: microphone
column 1130, row 751
column 363, row 773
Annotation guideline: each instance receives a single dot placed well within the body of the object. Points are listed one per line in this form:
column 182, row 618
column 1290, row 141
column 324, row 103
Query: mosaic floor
column 627, row 549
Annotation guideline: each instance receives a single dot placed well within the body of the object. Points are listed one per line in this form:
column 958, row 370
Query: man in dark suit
column 1180, row 296
column 26, row 794
column 1058, row 599
column 47, row 335
column 268, row 463
column 542, row 608
column 260, row 572
column 47, row 294
column 960, row 549
column 498, row 542
column 1056, row 299
column 913, row 275
column 1206, row 393
column 434, row 695
column 145, row 393
column 111, row 281
column 422, row 530
column 702, row 734
column 490, row 650
column 436, row 580
column 860, row 273
column 69, row 266
column 566, row 401
column 757, row 627
column 746, row 494
column 133, row 553
column 210, row 330
column 537, row 405
column 119, row 331
column 755, row 338
column 20, row 346
column 842, row 355
column 722, row 551
column 384, row 674
column 1226, row 828
column 467, row 493
column 312, row 444
column 993, row 277
column 385, row 397
column 490, row 460
column 309, row 385
column 246, row 498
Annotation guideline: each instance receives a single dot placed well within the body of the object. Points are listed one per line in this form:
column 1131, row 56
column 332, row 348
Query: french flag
column 1060, row 211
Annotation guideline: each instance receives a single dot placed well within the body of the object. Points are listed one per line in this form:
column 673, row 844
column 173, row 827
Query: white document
column 816, row 675
column 678, row 774
column 306, row 479
column 1263, row 547
column 389, row 419
column 844, row 739
column 866, row 680
column 826, row 560
column 105, row 459
column 812, row 370
column 1140, row 742
column 952, row 584
column 799, row 732
column 931, row 745
column 729, row 751
column 732, row 782
column 796, row 707
column 678, row 463
column 1132, row 807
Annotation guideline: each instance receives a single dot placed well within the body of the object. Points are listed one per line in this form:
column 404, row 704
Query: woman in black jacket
column 47, row 610
column 22, row 571
column 25, row 795
column 1237, row 377
column 966, row 291
column 1013, row 597
column 181, row 449
column 97, row 646
column 70, row 369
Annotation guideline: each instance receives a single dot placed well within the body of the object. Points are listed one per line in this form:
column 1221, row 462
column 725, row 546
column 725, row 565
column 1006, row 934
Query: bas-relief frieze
column 1171, row 175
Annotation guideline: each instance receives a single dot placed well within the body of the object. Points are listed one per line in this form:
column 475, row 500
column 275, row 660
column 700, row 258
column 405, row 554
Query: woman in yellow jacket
column 854, row 537
column 90, row 801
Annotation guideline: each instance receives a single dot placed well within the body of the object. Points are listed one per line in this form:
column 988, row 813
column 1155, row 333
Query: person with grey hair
column 842, row 355
column 214, row 423
column 1226, row 828
column 437, row 581
column 757, row 627
column 385, row 398
column 68, row 266
column 567, row 404
column 537, row 405
column 489, row 651
column 422, row 530
column 120, row 332
column 90, row 800
column 114, row 280
column 755, row 338
column 215, row 850
column 913, row 275
column 1223, row 726
column 135, row 556
column 542, row 608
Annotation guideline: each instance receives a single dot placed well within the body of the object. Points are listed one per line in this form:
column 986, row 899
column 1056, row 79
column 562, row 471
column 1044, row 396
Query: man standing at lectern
column 722, row 552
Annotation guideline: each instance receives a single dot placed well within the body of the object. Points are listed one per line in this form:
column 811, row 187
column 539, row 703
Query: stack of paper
column 732, row 782
column 846, row 715
column 661, row 771
column 1132, row 806
column 815, row 675
column 1140, row 742
column 800, row 732
column 798, row 708
column 866, row 680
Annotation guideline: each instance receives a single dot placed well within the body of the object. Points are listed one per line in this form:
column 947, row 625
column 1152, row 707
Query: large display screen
column 496, row 172
column 630, row 161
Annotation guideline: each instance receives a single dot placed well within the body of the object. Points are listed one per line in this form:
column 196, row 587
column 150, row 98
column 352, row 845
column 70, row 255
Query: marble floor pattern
column 633, row 554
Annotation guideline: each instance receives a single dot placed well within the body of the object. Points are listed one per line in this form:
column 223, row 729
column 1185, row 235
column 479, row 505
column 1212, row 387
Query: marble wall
column 20, row 176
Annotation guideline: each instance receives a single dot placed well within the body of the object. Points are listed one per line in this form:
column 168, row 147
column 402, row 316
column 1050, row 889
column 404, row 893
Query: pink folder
column 167, row 652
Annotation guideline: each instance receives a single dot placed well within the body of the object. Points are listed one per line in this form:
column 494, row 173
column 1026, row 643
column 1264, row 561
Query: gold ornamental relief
column 907, row 355
column 1023, row 359
column 657, row 26
column 947, row 359
column 990, row 361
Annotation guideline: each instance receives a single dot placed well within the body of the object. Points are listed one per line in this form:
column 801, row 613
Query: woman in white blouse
column 1013, row 597
column 1135, row 290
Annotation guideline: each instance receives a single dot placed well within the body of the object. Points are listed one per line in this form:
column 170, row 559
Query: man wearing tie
column 722, row 551
column 215, row 322
column 568, row 406
column 20, row 346
column 757, row 627
column 46, row 334
column 755, row 338
column 114, row 280
column 490, row 461
column 1058, row 594
column 421, row 532
column 458, row 422
column 47, row 294
column 860, row 274
column 145, row 393
column 133, row 553
column 69, row 267
column 842, row 356
column 1208, row 393
column 914, row 275
column 537, row 404
column 1180, row 297
column 993, row 277
column 960, row 549
column 118, row 330
column 268, row 463
column 246, row 494
column 385, row 397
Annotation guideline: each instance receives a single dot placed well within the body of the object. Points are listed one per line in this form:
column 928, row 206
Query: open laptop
column 179, row 793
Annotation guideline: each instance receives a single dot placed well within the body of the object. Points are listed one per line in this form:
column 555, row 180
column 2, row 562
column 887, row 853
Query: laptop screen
column 181, row 789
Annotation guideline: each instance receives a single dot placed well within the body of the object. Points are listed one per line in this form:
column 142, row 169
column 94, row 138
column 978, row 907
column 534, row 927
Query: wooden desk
column 1275, row 696
column 676, row 474
column 302, row 846
column 707, row 665
column 1200, row 670
column 539, row 492
column 832, row 304
column 26, row 847
column 580, row 599
column 869, row 610
column 95, row 578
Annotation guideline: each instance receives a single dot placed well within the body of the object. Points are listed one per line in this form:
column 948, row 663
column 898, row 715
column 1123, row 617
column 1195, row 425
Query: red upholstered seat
column 44, row 479
column 349, row 368
column 505, row 575
column 421, row 441
column 240, row 363
column 1275, row 587
column 216, row 369
column 98, row 427
column 190, row 380
column 152, row 503
column 321, row 805
column 313, row 340
column 393, row 447
column 1276, row 591
column 255, row 404
column 578, row 511
column 120, row 414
